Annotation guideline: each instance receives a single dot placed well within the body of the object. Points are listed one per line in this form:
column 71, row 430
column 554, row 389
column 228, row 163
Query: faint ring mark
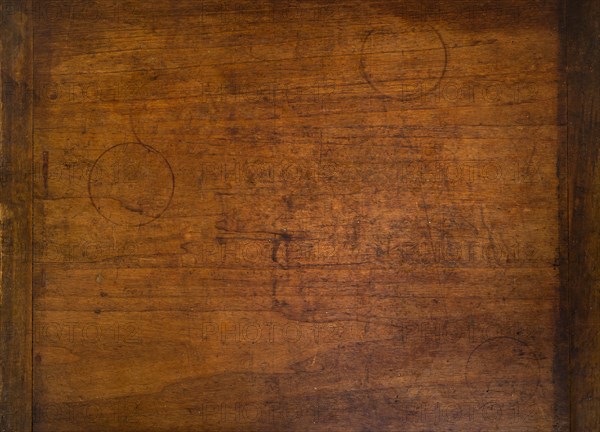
column 416, row 76
column 131, row 184
column 503, row 368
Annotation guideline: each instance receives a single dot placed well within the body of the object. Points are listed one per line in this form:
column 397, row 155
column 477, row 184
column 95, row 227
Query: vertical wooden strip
column 583, row 51
column 562, row 355
column 16, row 140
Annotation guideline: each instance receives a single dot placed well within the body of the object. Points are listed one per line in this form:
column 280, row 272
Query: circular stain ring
column 409, row 97
column 520, row 342
column 150, row 149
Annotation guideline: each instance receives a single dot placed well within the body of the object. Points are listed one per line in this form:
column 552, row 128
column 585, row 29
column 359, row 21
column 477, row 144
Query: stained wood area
column 297, row 216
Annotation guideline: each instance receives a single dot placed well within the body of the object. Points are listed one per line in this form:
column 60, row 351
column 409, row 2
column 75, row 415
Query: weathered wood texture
column 583, row 33
column 324, row 216
column 16, row 189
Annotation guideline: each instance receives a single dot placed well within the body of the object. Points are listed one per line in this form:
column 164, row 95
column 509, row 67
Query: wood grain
column 308, row 215
column 583, row 96
column 16, row 188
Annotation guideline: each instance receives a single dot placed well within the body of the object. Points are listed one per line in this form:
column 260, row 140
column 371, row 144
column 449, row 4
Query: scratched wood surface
column 267, row 216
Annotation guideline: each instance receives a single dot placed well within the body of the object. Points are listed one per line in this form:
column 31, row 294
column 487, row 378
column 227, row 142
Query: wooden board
column 583, row 269
column 16, row 219
column 313, row 215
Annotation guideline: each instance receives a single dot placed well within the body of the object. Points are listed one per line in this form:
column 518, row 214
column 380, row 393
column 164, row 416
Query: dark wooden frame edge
column 16, row 156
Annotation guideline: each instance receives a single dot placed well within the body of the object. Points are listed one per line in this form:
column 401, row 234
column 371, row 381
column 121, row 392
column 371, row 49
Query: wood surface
column 16, row 204
column 584, row 205
column 299, row 216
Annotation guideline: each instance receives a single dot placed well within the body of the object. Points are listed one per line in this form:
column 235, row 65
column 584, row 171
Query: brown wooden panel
column 299, row 215
column 583, row 95
column 16, row 188
column 296, row 216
